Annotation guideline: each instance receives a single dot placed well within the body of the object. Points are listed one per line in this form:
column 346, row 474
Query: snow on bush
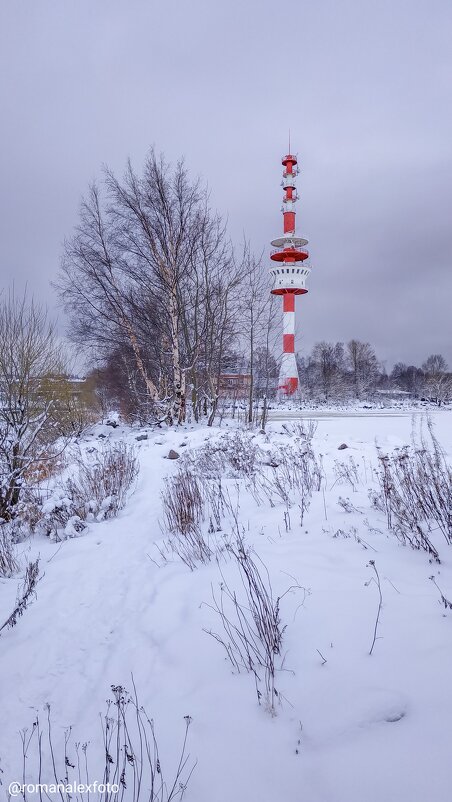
column 416, row 492
column 241, row 452
column 347, row 472
column 295, row 474
column 183, row 502
column 8, row 561
column 183, row 511
column 198, row 493
column 98, row 490
column 189, row 500
column 236, row 453
column 195, row 494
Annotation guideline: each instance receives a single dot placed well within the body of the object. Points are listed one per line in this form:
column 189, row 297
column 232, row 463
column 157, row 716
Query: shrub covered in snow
column 97, row 490
column 237, row 453
column 194, row 509
column 183, row 511
column 242, row 453
column 196, row 494
column 295, row 471
column 416, row 493
column 8, row 561
column 102, row 483
column 182, row 502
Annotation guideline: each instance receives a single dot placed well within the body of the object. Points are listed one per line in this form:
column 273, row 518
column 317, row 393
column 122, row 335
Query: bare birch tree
column 95, row 287
column 328, row 359
column 30, row 357
column 151, row 265
column 363, row 365
column 437, row 382
column 257, row 314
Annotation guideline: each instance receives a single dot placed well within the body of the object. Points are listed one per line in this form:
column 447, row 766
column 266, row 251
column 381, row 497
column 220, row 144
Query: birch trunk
column 179, row 401
column 150, row 386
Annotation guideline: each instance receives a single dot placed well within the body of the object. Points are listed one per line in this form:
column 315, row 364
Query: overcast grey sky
column 365, row 86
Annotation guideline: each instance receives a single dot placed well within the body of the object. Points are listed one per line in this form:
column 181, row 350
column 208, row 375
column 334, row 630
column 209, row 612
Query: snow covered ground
column 353, row 727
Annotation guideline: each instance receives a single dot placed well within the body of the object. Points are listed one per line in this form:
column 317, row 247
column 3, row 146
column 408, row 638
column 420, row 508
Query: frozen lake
column 389, row 427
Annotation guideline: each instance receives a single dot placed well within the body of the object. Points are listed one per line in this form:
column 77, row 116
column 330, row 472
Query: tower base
column 288, row 376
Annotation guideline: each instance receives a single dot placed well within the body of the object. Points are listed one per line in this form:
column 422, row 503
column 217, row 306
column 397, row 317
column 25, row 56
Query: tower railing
column 287, row 249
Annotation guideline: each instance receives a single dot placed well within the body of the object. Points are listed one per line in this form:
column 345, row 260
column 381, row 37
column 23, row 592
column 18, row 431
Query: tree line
column 338, row 371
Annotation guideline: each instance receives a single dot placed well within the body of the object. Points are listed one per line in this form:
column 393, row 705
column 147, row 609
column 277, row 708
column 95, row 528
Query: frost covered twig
column 25, row 595
column 252, row 629
column 375, row 579
column 130, row 770
column 444, row 600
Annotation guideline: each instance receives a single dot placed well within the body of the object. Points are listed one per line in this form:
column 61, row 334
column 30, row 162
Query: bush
column 295, row 474
column 236, row 452
column 8, row 561
column 242, row 454
column 190, row 500
column 98, row 490
column 130, row 760
column 183, row 512
column 416, row 492
column 104, row 483
column 182, row 503
column 252, row 630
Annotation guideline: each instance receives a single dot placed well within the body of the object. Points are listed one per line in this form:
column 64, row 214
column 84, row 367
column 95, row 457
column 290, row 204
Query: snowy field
column 350, row 726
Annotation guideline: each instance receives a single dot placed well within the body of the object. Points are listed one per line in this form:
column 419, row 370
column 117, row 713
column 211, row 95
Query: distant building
column 234, row 385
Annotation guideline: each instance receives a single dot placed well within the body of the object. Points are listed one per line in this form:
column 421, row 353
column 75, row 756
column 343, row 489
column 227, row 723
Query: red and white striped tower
column 289, row 274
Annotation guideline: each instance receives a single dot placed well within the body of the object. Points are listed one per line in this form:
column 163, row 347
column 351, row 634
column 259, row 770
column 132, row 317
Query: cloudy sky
column 365, row 87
